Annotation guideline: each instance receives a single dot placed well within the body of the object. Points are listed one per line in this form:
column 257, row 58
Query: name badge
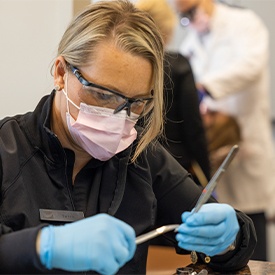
column 60, row 215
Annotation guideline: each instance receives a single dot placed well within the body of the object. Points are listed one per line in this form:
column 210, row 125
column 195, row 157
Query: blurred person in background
column 184, row 135
column 228, row 48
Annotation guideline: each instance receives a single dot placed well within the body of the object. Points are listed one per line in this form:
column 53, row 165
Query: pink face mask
column 99, row 131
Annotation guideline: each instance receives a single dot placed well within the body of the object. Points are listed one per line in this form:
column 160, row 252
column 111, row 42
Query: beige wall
column 30, row 31
column 78, row 5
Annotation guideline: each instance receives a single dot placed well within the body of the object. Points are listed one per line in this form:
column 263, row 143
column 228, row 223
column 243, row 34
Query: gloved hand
column 101, row 243
column 211, row 230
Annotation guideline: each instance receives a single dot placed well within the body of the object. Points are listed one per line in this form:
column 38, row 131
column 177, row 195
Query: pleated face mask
column 99, row 131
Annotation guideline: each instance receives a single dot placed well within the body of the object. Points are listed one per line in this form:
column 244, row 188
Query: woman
column 79, row 181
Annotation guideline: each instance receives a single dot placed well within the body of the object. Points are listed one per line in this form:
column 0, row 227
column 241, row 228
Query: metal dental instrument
column 156, row 232
column 205, row 195
column 209, row 188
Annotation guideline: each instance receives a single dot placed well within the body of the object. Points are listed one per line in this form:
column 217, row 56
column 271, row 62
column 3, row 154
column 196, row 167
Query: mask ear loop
column 66, row 94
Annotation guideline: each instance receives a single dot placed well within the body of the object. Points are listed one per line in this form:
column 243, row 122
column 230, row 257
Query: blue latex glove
column 211, row 230
column 101, row 243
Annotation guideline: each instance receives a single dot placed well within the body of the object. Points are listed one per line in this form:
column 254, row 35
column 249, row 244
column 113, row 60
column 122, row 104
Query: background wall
column 30, row 31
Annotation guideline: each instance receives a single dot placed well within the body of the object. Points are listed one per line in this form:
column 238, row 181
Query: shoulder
column 13, row 135
column 10, row 123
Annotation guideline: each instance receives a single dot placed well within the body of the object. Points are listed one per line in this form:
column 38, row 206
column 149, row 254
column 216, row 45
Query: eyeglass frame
column 128, row 100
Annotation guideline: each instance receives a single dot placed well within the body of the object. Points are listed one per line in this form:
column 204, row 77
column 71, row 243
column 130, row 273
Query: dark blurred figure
column 184, row 133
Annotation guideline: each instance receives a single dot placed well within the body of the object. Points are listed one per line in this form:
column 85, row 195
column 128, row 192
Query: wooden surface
column 165, row 261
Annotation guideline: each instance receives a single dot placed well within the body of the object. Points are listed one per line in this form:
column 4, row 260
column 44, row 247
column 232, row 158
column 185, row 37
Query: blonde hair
column 162, row 13
column 132, row 31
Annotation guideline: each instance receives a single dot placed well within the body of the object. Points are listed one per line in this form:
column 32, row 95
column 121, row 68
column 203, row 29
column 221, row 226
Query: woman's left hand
column 211, row 230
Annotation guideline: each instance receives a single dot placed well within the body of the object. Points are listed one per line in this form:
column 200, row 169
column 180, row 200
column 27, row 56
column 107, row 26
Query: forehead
column 119, row 70
column 185, row 5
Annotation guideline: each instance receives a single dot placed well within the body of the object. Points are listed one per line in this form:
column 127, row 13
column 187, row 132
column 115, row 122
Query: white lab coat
column 232, row 63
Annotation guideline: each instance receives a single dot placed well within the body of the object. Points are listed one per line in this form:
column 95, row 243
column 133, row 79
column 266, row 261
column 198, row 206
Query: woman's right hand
column 100, row 243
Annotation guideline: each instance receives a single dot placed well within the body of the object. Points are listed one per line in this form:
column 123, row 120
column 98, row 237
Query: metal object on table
column 190, row 271
column 184, row 271
column 205, row 195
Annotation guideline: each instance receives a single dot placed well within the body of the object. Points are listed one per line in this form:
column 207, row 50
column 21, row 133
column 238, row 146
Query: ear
column 59, row 72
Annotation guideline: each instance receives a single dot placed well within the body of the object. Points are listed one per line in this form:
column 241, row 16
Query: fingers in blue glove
column 210, row 213
column 101, row 243
column 210, row 231
column 197, row 234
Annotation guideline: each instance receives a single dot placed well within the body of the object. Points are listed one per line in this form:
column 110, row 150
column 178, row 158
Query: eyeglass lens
column 105, row 97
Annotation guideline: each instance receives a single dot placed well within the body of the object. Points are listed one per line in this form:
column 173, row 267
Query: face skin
column 110, row 67
column 206, row 6
column 185, row 5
